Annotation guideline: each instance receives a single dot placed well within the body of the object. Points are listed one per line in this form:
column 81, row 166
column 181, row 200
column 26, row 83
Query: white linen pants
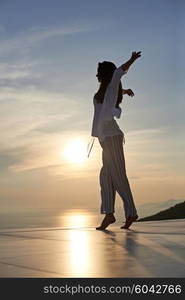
column 113, row 177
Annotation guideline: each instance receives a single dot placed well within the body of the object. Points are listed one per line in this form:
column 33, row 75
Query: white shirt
column 104, row 123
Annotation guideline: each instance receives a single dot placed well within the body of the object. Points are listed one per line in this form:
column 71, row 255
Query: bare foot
column 109, row 219
column 129, row 221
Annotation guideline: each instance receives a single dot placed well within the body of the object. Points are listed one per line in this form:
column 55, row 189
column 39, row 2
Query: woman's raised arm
column 135, row 55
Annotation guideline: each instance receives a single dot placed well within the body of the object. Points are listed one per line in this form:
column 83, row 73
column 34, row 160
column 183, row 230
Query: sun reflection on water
column 77, row 218
column 80, row 261
column 80, row 242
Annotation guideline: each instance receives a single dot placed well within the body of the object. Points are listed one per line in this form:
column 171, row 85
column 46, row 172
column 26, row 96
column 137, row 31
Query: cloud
column 31, row 155
column 14, row 71
column 30, row 108
column 10, row 156
column 149, row 137
column 147, row 131
column 35, row 35
column 151, row 156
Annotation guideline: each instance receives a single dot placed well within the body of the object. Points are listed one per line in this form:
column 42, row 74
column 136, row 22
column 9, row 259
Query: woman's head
column 105, row 71
column 104, row 74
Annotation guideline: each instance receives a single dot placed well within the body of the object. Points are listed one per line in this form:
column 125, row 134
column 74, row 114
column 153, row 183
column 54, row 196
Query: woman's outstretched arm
column 123, row 69
column 135, row 55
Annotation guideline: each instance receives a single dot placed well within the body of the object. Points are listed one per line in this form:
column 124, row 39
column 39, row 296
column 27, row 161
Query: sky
column 48, row 60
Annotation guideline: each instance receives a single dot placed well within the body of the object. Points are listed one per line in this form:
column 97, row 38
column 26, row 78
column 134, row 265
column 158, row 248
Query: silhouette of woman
column 113, row 172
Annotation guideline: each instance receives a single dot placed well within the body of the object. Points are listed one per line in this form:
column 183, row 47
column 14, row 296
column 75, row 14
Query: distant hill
column 175, row 212
column 151, row 208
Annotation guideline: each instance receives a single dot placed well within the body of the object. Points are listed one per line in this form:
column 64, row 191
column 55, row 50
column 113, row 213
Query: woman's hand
column 128, row 92
column 135, row 55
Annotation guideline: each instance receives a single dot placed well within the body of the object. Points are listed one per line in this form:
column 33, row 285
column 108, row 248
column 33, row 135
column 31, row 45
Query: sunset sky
column 49, row 52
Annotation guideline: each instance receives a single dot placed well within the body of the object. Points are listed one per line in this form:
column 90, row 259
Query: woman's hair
column 105, row 73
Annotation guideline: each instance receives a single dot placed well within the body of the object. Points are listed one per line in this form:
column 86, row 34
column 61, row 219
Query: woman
column 113, row 173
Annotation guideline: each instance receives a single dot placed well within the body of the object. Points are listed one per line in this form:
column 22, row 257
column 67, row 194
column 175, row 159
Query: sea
column 53, row 218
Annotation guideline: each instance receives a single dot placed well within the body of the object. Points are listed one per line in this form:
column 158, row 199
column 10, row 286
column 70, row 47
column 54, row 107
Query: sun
column 75, row 151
